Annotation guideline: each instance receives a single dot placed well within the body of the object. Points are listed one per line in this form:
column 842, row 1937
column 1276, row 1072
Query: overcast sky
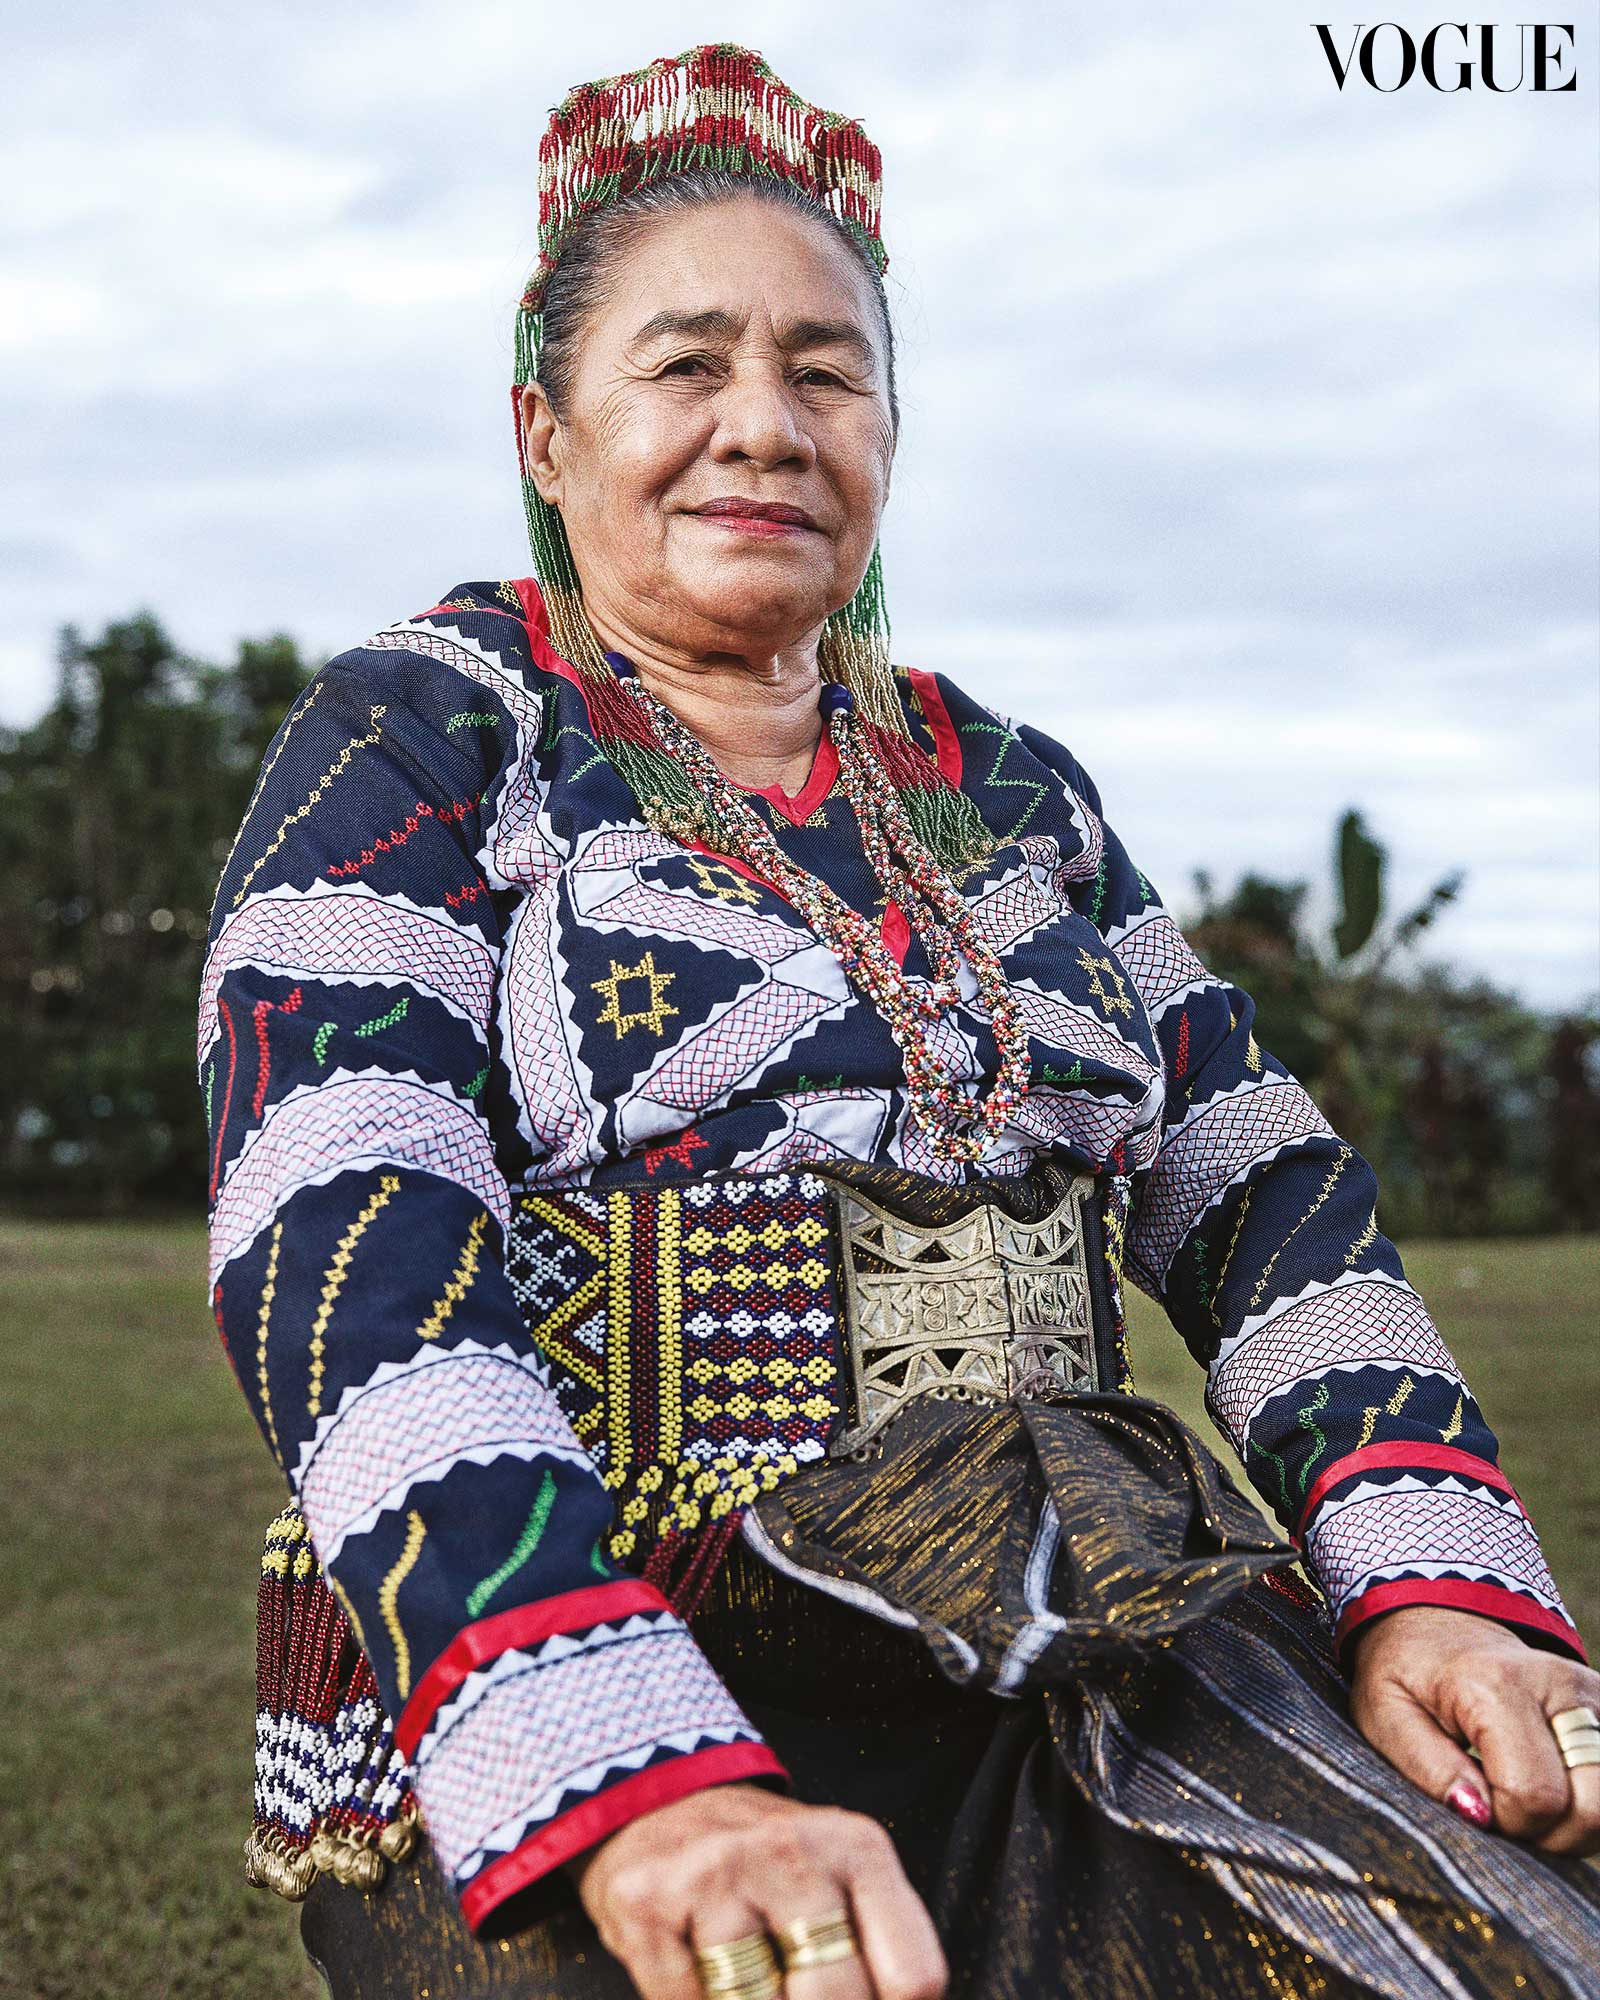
column 1250, row 430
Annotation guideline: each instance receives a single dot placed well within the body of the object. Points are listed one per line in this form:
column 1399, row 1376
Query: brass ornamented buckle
column 987, row 1307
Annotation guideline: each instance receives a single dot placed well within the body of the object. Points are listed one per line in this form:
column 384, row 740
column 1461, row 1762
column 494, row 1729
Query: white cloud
column 1249, row 426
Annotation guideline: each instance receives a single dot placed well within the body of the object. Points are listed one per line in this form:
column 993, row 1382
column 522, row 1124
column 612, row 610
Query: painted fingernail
column 1470, row 1803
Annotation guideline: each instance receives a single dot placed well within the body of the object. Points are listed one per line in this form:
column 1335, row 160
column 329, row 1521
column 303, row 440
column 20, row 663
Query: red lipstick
column 756, row 517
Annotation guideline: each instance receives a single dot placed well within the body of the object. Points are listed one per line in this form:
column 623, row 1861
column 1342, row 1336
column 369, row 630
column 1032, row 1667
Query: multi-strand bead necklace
column 910, row 877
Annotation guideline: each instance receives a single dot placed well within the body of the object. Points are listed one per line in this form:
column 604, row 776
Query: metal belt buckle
column 987, row 1307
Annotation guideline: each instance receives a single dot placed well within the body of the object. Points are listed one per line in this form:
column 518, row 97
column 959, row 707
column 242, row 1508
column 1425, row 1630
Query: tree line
column 118, row 806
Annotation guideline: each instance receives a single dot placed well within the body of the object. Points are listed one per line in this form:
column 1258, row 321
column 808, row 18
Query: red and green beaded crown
column 715, row 106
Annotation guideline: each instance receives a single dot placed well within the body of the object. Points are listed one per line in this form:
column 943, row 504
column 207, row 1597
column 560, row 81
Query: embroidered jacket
column 456, row 986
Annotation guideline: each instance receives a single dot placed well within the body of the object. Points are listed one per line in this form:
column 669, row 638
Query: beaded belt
column 707, row 1338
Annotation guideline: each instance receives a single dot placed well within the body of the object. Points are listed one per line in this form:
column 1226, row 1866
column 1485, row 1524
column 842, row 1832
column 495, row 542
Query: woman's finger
column 657, row 1953
column 719, row 1919
column 899, row 1943
column 1578, row 1829
column 1529, row 1786
column 666, row 1969
column 1397, row 1725
column 747, row 1866
column 845, row 1978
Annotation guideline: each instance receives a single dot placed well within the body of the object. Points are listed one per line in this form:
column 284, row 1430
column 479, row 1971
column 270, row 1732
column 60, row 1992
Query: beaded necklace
column 908, row 875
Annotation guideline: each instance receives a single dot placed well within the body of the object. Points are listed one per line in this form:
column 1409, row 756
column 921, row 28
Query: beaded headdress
column 715, row 106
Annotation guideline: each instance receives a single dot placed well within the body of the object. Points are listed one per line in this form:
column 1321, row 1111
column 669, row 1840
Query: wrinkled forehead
column 740, row 269
column 792, row 333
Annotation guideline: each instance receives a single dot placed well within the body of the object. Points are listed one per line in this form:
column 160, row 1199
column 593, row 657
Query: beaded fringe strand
column 332, row 1793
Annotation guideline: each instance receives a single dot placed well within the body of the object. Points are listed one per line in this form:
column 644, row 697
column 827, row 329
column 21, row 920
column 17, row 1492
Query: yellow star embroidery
column 652, row 1016
column 722, row 882
column 1117, row 1002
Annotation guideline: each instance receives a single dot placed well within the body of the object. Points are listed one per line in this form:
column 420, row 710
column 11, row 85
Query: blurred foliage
column 118, row 808
column 1478, row 1114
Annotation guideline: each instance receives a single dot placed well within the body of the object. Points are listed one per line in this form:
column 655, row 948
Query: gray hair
column 579, row 285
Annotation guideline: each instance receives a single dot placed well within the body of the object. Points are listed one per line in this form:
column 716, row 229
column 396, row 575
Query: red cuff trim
column 1489, row 1600
column 1411, row 1456
column 947, row 745
column 569, row 1833
column 523, row 1625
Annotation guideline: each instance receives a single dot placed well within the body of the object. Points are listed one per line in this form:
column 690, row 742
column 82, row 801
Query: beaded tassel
column 682, row 1564
column 932, row 904
column 331, row 1791
column 1118, row 1205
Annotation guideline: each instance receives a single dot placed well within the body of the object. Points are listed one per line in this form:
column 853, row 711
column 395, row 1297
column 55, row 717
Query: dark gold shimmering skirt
column 1056, row 1653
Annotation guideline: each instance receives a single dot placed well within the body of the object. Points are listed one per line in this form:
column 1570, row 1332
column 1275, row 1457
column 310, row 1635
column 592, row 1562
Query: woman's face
column 739, row 357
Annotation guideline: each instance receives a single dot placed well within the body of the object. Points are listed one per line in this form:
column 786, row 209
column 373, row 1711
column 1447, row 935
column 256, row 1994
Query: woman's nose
column 757, row 419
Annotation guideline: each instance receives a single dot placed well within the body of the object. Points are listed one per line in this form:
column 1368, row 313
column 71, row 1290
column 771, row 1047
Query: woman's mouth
column 757, row 517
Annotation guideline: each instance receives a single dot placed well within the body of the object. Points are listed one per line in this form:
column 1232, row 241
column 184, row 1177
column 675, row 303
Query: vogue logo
column 1387, row 55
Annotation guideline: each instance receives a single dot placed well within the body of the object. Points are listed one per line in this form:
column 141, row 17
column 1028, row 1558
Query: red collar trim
column 799, row 807
column 824, row 769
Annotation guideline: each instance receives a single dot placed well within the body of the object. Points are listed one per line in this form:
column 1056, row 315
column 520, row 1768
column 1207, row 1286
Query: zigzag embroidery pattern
column 992, row 775
column 318, row 791
column 389, row 1594
column 460, row 1281
column 333, row 1281
column 1396, row 1403
column 289, row 727
column 1339, row 1165
column 397, row 836
column 1307, row 1420
column 269, row 1290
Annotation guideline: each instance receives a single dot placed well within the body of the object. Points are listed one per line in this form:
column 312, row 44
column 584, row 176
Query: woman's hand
column 1428, row 1682
column 731, row 1859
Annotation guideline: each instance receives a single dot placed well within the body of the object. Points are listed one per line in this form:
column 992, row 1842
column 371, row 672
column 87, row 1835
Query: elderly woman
column 684, row 1093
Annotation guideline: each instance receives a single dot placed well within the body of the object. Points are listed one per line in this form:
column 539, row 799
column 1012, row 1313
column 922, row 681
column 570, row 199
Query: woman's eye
column 686, row 366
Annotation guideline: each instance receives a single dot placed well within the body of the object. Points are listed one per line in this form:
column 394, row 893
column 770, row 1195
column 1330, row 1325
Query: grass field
column 136, row 1490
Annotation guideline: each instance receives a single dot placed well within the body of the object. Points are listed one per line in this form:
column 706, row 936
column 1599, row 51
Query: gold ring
column 1577, row 1734
column 742, row 1968
column 817, row 1940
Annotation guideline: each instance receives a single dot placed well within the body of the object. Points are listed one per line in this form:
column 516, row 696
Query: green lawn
column 136, row 1490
